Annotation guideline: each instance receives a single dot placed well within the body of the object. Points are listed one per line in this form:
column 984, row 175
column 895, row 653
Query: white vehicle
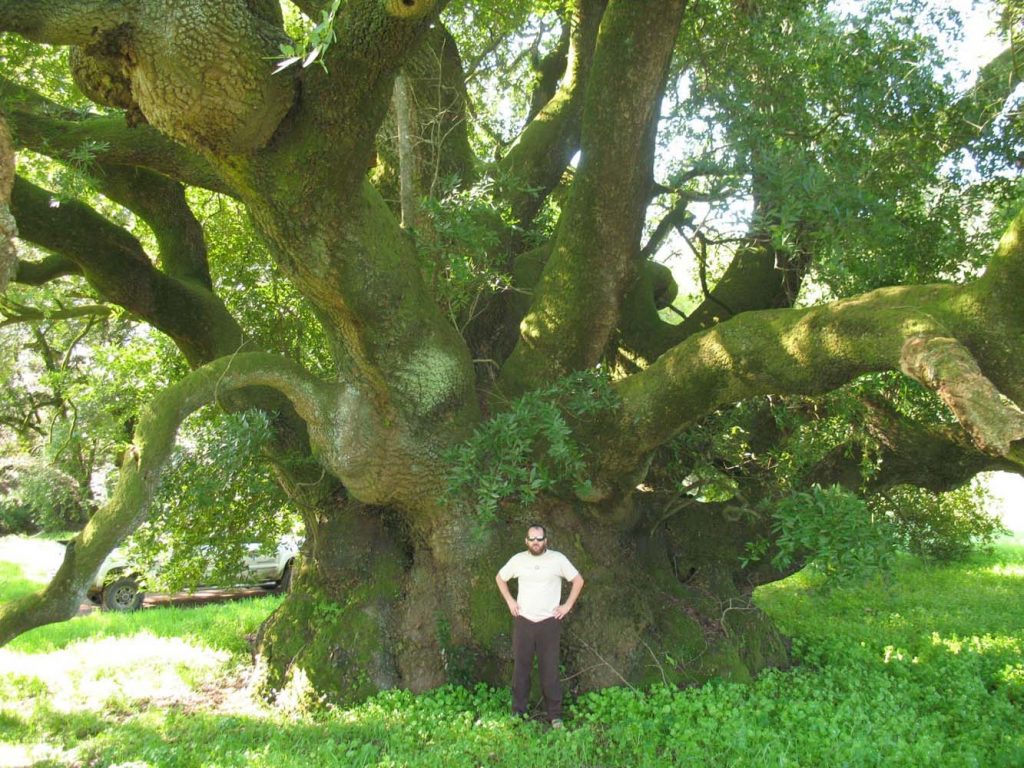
column 118, row 586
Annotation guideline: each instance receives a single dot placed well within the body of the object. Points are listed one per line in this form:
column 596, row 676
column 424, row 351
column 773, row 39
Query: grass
column 925, row 670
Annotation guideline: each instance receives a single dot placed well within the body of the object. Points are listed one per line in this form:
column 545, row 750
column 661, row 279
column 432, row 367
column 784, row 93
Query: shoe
column 557, row 723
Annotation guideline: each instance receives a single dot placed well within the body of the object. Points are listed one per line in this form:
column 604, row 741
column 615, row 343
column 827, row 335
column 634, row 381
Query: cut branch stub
column 409, row 9
column 945, row 366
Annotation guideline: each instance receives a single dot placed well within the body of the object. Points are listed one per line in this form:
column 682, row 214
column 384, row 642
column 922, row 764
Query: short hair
column 537, row 525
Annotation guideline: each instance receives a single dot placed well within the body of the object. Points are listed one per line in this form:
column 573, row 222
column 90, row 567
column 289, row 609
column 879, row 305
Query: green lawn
column 925, row 670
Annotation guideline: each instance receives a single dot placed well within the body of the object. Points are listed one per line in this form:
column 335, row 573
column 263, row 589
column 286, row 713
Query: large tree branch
column 197, row 70
column 373, row 37
column 364, row 281
column 58, row 22
column 526, row 176
column 349, row 96
column 811, row 351
column 596, row 251
column 985, row 100
column 43, row 271
column 140, row 474
column 994, row 314
column 179, row 303
column 162, row 204
column 772, row 351
column 938, row 457
column 534, row 165
column 944, row 365
column 760, row 276
column 50, row 129
column 116, row 265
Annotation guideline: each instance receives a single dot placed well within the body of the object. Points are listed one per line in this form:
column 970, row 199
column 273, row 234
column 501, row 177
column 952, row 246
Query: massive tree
column 494, row 310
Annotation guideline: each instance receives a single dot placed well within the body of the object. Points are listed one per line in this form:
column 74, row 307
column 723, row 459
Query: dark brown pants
column 540, row 639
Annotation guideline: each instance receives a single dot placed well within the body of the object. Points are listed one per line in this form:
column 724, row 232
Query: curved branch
column 771, row 351
column 945, row 366
column 162, row 204
column 811, row 351
column 50, row 129
column 114, row 263
column 140, row 474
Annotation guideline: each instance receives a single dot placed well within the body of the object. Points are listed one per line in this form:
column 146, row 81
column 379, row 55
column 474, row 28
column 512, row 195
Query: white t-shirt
column 540, row 582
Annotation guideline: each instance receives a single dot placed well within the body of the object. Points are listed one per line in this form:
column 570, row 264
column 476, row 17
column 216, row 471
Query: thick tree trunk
column 335, row 636
column 664, row 602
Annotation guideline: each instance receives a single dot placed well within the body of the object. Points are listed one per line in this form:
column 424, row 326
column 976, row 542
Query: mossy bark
column 335, row 636
column 595, row 255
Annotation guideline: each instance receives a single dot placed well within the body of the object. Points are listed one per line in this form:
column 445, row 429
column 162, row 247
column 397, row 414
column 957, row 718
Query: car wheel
column 122, row 594
column 285, row 584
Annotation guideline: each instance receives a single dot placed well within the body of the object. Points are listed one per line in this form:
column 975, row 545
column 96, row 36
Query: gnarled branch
column 114, row 262
column 945, row 366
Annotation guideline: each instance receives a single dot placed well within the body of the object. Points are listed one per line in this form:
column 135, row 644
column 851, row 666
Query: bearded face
column 536, row 541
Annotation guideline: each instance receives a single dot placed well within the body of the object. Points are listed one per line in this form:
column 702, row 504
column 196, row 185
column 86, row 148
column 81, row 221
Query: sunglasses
column 536, row 538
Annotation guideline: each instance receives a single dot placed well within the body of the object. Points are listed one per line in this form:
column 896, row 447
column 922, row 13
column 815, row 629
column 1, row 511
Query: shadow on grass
column 361, row 737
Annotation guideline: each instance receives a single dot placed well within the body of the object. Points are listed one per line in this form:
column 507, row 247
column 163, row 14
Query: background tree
column 431, row 257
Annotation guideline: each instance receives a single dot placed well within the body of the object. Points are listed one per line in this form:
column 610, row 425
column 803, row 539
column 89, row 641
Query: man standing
column 538, row 610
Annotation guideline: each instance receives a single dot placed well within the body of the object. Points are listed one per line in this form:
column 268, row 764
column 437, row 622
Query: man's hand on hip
column 562, row 611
